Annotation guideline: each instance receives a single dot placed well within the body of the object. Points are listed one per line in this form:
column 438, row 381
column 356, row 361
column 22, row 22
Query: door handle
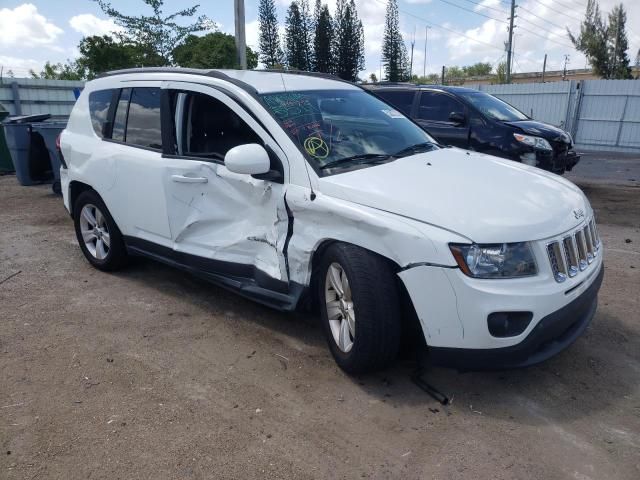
column 185, row 179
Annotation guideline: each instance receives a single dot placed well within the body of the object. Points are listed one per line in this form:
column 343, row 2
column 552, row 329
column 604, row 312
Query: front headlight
column 535, row 142
column 500, row 260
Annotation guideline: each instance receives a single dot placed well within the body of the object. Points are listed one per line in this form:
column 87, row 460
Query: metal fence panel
column 35, row 96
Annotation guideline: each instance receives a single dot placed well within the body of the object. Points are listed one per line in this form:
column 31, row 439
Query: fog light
column 529, row 159
column 508, row 324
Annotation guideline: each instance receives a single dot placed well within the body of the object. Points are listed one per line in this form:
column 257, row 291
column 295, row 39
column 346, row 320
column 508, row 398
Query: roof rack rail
column 189, row 71
column 400, row 84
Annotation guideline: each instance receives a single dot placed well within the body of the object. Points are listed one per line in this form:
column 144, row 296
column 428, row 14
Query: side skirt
column 243, row 279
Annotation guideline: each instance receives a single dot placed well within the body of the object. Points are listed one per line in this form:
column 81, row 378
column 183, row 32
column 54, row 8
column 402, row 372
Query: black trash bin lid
column 28, row 118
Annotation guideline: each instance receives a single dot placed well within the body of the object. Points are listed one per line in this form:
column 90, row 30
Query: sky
column 461, row 32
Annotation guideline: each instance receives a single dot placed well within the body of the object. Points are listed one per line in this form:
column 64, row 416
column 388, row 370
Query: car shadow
column 571, row 385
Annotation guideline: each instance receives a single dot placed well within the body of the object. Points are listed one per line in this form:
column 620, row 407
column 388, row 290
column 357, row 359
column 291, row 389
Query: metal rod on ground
column 241, row 42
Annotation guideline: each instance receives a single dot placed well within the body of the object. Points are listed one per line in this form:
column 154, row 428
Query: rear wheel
column 360, row 308
column 99, row 237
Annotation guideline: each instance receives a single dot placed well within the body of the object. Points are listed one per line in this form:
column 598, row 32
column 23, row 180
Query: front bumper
column 558, row 161
column 550, row 336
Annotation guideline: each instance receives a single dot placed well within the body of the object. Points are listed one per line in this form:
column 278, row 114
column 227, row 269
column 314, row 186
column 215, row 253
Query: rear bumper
column 552, row 334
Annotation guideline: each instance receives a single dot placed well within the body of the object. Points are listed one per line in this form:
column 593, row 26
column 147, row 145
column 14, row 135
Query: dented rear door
column 223, row 222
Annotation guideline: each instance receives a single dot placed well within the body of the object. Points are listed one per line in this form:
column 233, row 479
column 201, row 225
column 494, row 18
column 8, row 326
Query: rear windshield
column 332, row 127
column 493, row 107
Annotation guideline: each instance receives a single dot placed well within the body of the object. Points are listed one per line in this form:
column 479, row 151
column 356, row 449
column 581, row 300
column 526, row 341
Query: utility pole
column 564, row 70
column 442, row 78
column 544, row 67
column 424, row 67
column 413, row 42
column 510, row 43
column 241, row 41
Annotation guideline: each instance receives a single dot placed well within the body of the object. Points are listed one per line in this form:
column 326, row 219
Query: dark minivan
column 475, row 120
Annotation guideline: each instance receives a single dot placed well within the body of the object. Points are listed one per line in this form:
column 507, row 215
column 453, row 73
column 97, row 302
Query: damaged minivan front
column 279, row 185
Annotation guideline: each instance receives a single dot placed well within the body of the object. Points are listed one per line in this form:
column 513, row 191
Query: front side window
column 339, row 129
column 401, row 99
column 143, row 120
column 207, row 128
column 99, row 102
column 437, row 107
column 494, row 107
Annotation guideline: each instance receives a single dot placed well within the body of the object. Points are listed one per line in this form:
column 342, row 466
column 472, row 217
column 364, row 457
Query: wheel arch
column 75, row 189
column 410, row 321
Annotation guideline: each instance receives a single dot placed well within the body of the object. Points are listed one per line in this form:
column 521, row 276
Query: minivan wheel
column 360, row 308
column 99, row 237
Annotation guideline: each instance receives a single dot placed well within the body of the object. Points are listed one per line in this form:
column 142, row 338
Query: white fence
column 28, row 96
column 600, row 114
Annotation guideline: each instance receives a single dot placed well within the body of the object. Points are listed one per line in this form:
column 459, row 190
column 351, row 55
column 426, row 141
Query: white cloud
column 418, row 1
column 20, row 66
column 23, row 26
column 89, row 24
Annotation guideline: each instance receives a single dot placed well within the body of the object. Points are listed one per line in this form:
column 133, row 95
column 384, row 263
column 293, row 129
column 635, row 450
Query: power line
column 557, row 11
column 472, row 11
column 539, row 17
column 436, row 25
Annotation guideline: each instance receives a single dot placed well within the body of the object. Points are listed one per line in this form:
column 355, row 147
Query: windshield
column 493, row 107
column 346, row 128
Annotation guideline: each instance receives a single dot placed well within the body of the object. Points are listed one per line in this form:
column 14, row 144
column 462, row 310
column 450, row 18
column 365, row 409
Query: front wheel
column 360, row 308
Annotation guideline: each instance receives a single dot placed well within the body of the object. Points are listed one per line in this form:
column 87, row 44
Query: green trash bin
column 6, row 165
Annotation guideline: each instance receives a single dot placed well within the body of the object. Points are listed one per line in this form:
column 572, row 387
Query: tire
column 373, row 307
column 56, row 187
column 104, row 248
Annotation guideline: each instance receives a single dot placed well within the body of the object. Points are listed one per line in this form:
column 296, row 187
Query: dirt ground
column 150, row 373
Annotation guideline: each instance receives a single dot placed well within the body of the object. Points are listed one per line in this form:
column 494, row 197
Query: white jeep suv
column 286, row 186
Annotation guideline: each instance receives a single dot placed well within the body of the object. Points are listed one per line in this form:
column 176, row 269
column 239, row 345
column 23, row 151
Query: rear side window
column 437, row 107
column 99, row 102
column 401, row 99
column 143, row 119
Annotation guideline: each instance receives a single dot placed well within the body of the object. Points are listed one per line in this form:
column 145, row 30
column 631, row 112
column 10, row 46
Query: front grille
column 574, row 253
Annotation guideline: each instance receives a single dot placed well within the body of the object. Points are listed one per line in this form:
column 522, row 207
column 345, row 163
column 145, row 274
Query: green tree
column 59, row 71
column 477, row 69
column 373, row 78
column 592, row 39
column 323, row 39
column 394, row 51
column 270, row 51
column 454, row 75
column 501, row 73
column 618, row 44
column 349, row 41
column 296, row 39
column 101, row 53
column 157, row 32
column 308, row 31
column 213, row 50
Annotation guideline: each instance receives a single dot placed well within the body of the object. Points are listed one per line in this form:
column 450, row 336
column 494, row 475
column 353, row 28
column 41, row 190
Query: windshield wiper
column 417, row 148
column 358, row 159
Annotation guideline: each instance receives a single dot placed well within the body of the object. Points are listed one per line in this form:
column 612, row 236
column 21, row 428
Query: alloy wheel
column 339, row 305
column 95, row 232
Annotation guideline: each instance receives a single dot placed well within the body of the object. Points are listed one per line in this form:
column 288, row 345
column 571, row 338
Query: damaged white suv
column 287, row 186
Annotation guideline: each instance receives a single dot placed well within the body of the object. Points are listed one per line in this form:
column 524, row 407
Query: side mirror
column 457, row 117
column 250, row 159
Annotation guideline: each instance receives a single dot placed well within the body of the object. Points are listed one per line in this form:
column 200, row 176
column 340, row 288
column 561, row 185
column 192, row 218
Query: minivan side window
column 437, row 107
column 143, row 119
column 400, row 99
column 99, row 102
column 120, row 119
column 207, row 128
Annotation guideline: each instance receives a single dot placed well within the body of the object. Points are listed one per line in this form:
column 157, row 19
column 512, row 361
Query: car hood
column 544, row 130
column 484, row 198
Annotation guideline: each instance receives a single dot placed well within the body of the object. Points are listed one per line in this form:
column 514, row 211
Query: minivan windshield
column 339, row 129
column 493, row 107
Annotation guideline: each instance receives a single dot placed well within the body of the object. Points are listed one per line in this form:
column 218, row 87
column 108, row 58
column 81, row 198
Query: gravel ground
column 150, row 373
